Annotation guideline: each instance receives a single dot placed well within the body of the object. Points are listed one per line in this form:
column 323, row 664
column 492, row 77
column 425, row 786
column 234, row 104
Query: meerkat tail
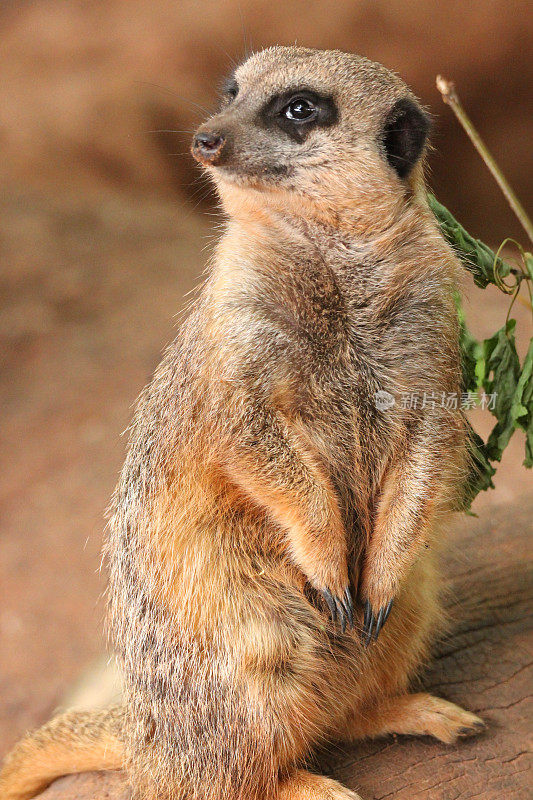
column 77, row 741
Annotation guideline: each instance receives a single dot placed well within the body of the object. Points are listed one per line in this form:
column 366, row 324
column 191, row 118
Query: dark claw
column 341, row 610
column 348, row 605
column 379, row 623
column 331, row 603
column 341, row 613
column 372, row 625
column 368, row 612
column 368, row 624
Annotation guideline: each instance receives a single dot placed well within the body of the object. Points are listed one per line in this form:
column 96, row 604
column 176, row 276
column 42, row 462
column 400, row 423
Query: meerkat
column 272, row 543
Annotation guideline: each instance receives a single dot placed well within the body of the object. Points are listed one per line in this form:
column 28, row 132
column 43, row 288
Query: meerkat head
column 323, row 133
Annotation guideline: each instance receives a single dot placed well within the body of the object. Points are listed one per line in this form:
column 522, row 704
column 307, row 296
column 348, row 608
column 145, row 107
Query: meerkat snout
column 207, row 146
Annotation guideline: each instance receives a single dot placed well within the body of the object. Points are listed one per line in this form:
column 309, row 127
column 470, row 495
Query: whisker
column 169, row 130
column 246, row 45
column 225, row 53
column 203, row 109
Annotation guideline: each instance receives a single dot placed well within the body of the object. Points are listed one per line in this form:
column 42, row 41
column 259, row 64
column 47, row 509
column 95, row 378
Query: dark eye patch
column 272, row 114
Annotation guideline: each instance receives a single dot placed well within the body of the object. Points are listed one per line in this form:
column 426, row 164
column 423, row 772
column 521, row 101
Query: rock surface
column 485, row 664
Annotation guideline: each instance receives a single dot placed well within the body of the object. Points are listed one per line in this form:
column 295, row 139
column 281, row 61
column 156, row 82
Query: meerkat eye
column 299, row 110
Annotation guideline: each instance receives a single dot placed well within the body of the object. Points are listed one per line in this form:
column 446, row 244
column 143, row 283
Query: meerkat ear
column 404, row 135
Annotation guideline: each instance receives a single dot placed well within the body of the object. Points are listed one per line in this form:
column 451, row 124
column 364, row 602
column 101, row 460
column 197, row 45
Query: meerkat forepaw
column 341, row 608
column 374, row 622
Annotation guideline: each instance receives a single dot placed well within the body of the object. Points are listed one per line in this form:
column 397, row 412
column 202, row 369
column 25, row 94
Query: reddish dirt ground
column 484, row 664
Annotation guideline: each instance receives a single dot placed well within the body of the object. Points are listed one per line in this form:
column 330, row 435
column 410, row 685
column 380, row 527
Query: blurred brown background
column 103, row 230
column 83, row 83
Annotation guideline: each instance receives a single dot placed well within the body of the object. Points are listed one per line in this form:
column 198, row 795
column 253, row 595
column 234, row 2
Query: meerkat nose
column 207, row 146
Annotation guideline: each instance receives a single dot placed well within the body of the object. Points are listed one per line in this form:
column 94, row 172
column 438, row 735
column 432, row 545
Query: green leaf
column 522, row 405
column 480, row 470
column 502, row 364
column 472, row 359
column 492, row 365
column 528, row 257
column 476, row 256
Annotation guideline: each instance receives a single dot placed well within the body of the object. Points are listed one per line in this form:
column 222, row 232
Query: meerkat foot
column 303, row 785
column 418, row 715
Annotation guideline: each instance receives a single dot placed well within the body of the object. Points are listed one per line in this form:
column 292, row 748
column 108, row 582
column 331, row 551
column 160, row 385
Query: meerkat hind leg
column 76, row 741
column 419, row 714
column 304, row 785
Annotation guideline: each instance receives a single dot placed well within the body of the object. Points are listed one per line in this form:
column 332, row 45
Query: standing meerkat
column 271, row 547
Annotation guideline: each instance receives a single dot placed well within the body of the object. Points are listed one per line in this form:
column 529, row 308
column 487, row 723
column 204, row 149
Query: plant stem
column 449, row 95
